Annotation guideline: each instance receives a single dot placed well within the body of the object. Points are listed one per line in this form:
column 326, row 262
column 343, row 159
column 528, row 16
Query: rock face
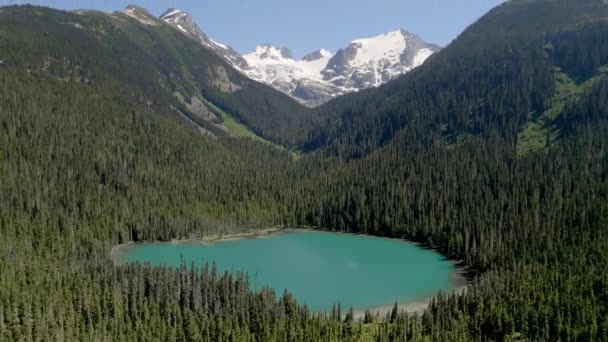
column 320, row 75
column 373, row 61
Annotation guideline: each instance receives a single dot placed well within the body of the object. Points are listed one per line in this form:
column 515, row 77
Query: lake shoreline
column 417, row 306
column 205, row 240
column 460, row 279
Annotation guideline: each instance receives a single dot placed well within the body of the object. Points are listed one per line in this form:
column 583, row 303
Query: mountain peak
column 400, row 32
column 173, row 15
column 269, row 51
column 183, row 22
column 387, row 37
column 316, row 55
column 140, row 14
column 320, row 75
column 135, row 8
column 171, row 11
column 405, row 32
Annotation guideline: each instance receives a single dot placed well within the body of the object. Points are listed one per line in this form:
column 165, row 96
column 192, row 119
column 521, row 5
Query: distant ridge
column 320, row 75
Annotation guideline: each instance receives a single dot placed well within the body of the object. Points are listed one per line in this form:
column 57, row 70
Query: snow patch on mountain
column 422, row 56
column 171, row 13
column 267, row 63
column 388, row 46
column 320, row 75
column 218, row 44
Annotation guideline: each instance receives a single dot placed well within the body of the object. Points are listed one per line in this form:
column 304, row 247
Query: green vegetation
column 541, row 131
column 91, row 155
column 156, row 58
column 238, row 129
column 235, row 128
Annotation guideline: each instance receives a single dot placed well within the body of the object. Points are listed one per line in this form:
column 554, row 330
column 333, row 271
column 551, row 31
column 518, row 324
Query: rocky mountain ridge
column 320, row 75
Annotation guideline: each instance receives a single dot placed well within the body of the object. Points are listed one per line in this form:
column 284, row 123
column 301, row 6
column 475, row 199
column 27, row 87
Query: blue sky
column 307, row 25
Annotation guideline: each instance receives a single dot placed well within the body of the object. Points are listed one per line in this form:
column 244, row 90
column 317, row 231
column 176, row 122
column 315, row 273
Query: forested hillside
column 494, row 152
column 500, row 76
column 140, row 52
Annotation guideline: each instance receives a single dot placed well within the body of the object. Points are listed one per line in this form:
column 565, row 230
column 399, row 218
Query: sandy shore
column 415, row 307
column 460, row 281
column 213, row 238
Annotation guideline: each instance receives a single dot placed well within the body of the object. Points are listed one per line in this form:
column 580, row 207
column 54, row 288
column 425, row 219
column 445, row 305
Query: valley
column 492, row 152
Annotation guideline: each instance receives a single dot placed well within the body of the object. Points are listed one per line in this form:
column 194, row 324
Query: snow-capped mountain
column 302, row 79
column 321, row 75
column 370, row 62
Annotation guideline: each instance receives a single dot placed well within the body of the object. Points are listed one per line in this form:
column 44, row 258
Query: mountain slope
column 320, row 75
column 509, row 56
column 137, row 50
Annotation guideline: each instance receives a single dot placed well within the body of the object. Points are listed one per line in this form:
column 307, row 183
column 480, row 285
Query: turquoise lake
column 318, row 268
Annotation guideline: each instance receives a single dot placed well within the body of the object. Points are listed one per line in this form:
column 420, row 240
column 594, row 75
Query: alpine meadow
column 121, row 129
